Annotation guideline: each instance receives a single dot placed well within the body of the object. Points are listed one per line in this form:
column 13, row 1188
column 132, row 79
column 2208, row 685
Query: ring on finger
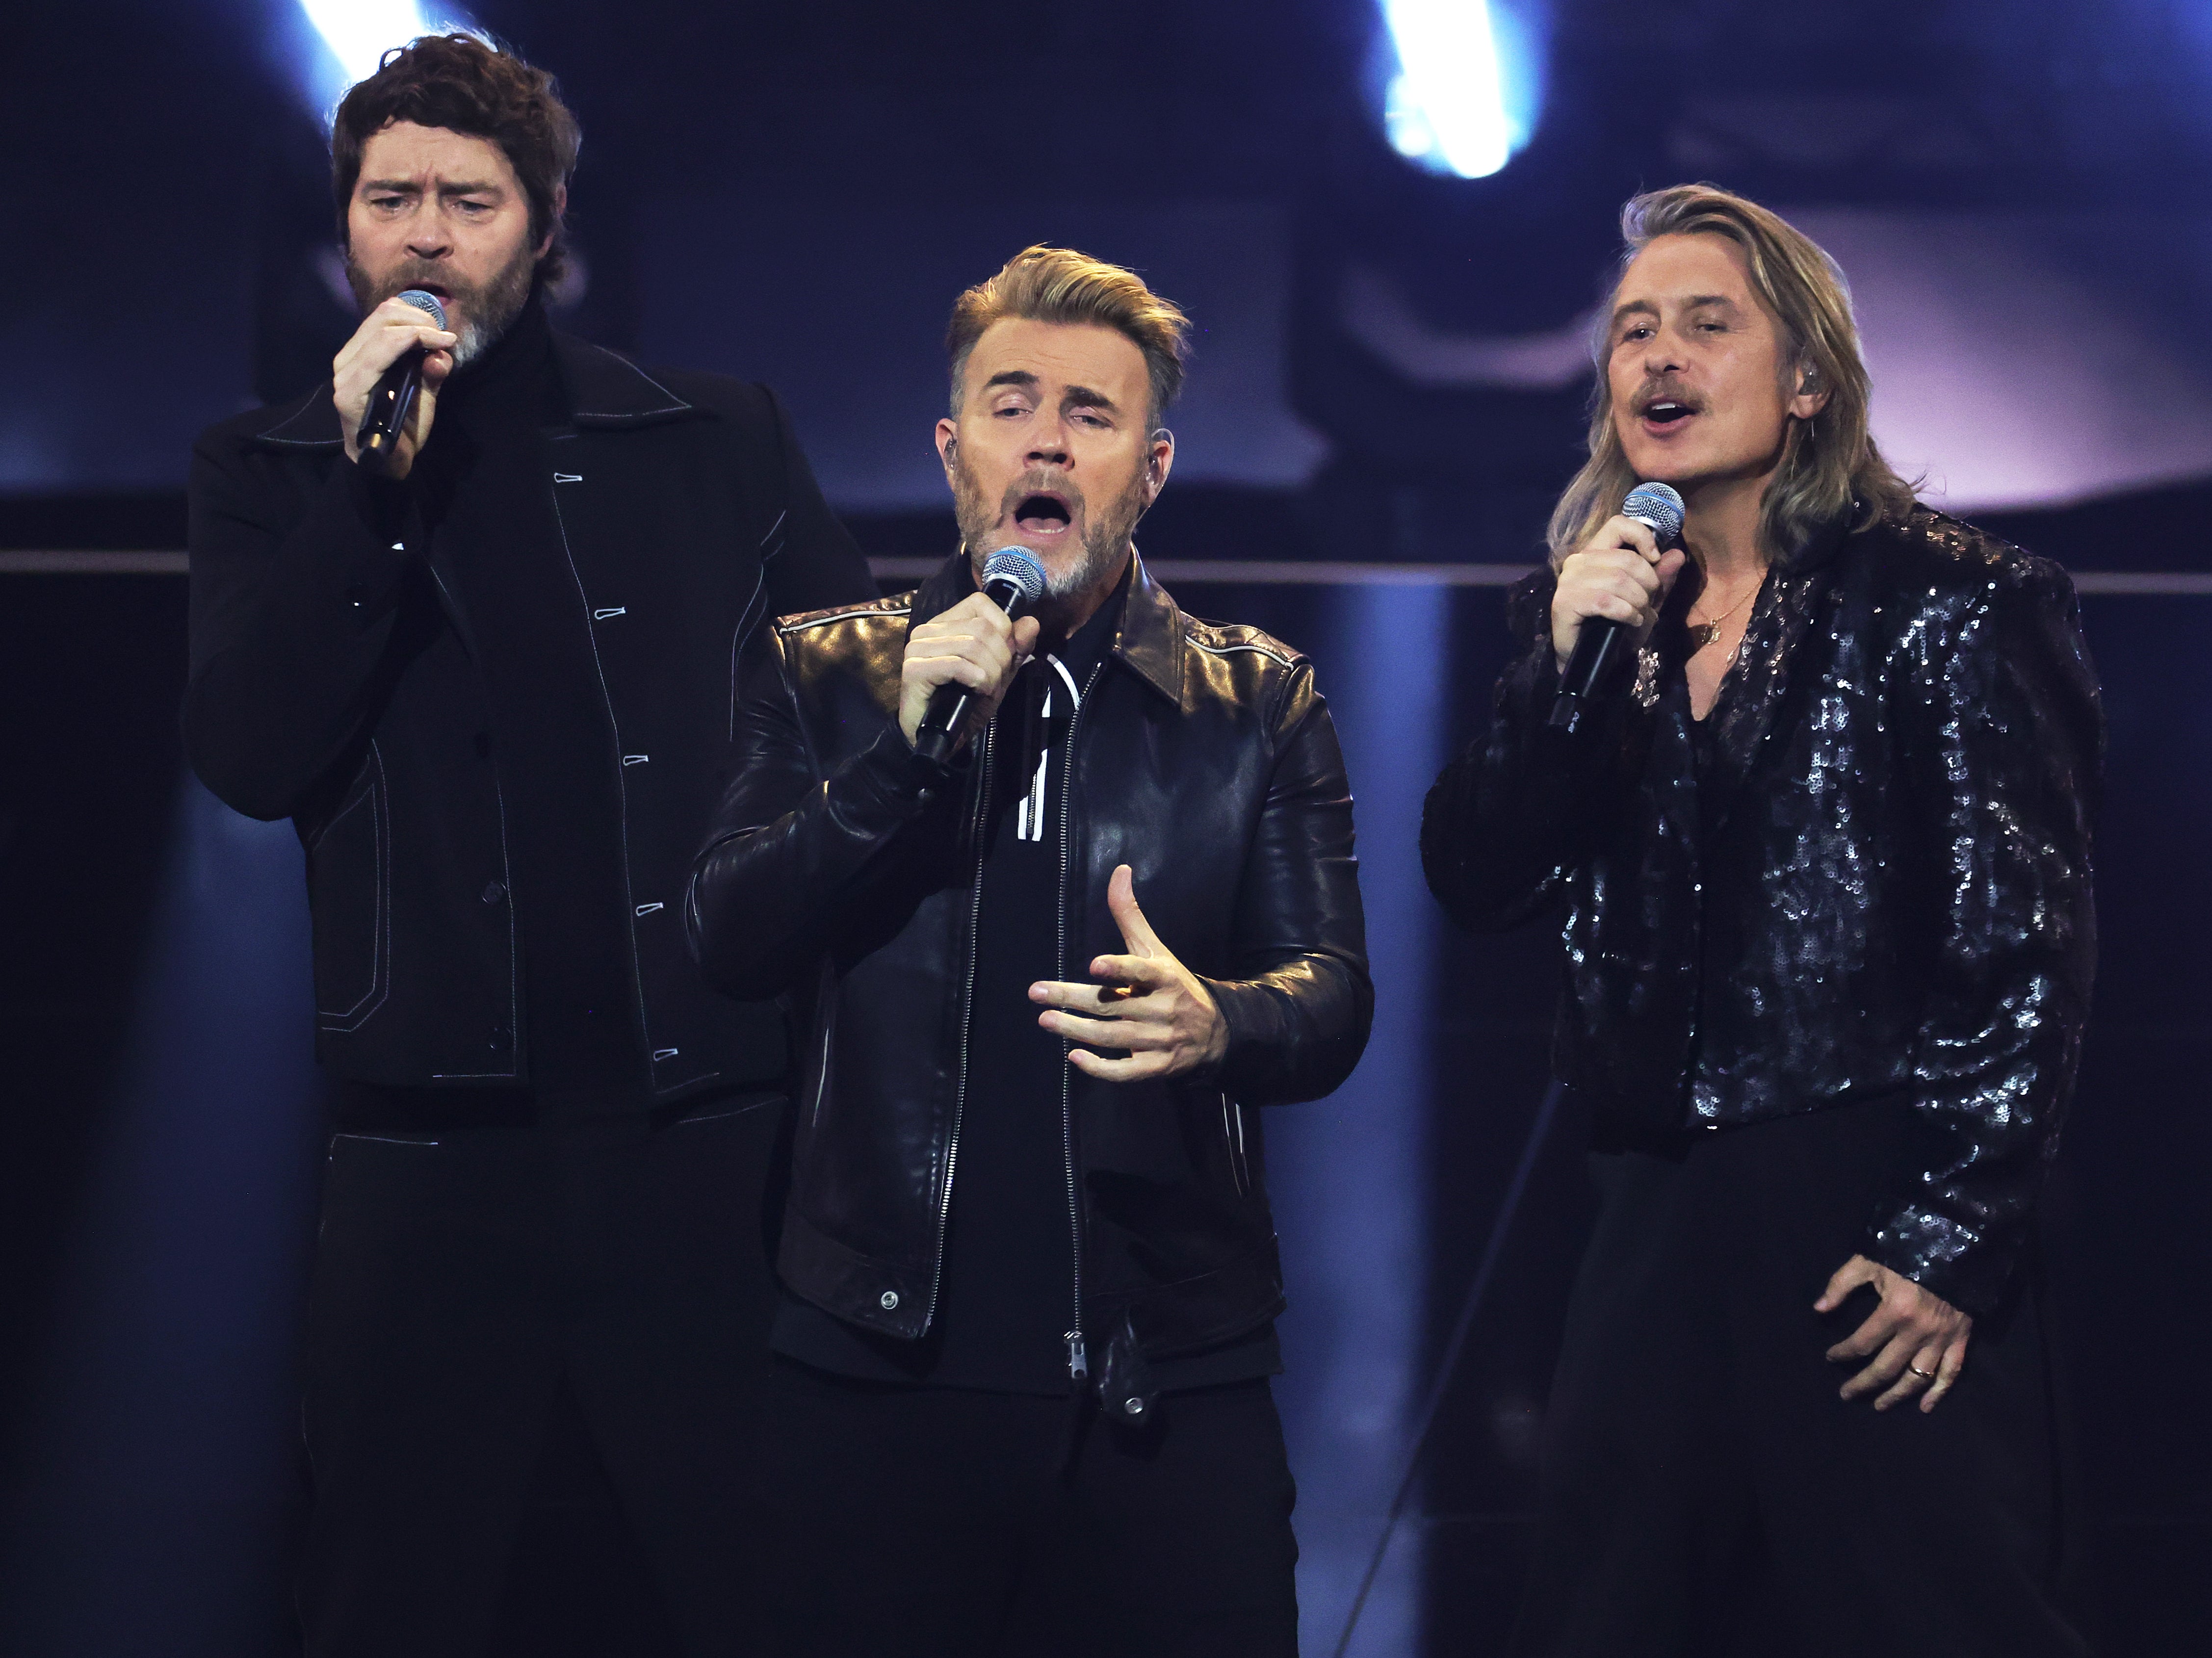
column 1925, row 1375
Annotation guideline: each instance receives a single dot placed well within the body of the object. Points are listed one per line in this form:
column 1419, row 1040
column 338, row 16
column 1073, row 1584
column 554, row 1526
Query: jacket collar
column 1779, row 618
column 1150, row 640
column 1822, row 544
column 1151, row 637
column 603, row 391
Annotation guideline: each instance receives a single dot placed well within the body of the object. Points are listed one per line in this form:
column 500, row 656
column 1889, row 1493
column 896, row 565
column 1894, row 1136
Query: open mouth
column 1042, row 513
column 1666, row 413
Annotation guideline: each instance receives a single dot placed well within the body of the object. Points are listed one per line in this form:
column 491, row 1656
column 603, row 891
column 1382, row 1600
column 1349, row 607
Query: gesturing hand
column 1918, row 1339
column 1150, row 1004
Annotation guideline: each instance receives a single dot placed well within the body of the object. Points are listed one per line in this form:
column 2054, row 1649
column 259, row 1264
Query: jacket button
column 502, row 1039
column 888, row 1301
column 1133, row 1406
column 494, row 892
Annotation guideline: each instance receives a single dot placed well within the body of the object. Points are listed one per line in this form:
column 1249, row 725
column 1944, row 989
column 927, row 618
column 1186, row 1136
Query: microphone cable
column 1484, row 1270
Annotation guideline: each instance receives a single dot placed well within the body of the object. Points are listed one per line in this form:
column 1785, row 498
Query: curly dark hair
column 464, row 84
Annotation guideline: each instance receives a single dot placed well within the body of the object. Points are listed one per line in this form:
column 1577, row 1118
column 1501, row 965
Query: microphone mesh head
column 422, row 300
column 1019, row 566
column 1657, row 505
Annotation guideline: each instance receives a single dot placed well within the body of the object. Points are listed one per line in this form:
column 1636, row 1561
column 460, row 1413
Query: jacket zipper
column 822, row 1073
column 967, row 1013
column 1078, row 1358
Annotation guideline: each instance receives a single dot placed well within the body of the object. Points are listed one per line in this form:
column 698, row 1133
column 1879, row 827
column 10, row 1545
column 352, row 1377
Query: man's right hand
column 392, row 329
column 972, row 644
column 1619, row 574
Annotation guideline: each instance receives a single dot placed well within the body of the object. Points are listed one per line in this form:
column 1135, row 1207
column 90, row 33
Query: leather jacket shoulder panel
column 848, row 650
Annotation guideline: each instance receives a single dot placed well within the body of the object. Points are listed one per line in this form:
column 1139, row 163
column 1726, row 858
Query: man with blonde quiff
column 1021, row 1400
column 1824, row 859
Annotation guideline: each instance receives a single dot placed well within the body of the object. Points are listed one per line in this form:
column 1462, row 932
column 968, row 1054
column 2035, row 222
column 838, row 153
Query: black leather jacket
column 843, row 873
column 1892, row 898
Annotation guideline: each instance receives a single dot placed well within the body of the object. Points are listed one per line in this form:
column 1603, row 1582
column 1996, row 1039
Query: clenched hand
column 385, row 335
column 973, row 644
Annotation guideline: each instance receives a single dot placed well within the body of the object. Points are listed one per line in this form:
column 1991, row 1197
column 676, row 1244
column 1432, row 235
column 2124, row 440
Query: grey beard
column 1105, row 546
column 1105, row 538
column 487, row 312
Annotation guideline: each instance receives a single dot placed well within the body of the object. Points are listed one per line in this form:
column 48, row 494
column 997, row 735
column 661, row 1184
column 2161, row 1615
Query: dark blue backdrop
column 1386, row 369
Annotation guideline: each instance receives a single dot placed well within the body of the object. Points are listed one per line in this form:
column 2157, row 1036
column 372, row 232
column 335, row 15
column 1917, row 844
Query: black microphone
column 1597, row 645
column 393, row 400
column 1014, row 580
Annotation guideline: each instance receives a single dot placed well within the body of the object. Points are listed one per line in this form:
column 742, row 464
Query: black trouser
column 1704, row 1490
column 911, row 1522
column 506, row 1323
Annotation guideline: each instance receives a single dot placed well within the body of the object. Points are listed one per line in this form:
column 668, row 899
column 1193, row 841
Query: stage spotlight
column 1463, row 92
column 354, row 36
column 359, row 31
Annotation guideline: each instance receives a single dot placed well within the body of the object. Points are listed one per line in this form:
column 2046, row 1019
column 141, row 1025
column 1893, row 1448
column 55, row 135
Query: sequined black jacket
column 1891, row 898
column 841, row 872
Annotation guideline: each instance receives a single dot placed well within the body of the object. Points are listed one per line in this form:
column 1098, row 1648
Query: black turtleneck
column 484, row 489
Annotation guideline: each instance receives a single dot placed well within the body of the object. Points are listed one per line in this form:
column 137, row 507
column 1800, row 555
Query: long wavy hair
column 1831, row 468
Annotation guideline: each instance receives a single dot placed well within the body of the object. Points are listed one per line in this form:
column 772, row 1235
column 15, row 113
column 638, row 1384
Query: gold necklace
column 1703, row 633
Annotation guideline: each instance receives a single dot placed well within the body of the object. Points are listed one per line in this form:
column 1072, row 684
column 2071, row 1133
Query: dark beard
column 1105, row 534
column 487, row 312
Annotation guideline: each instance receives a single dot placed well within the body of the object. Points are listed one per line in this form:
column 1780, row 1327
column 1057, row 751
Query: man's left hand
column 1917, row 1339
column 1148, row 1003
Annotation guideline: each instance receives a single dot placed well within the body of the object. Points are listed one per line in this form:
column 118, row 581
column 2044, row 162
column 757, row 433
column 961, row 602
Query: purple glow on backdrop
column 2028, row 360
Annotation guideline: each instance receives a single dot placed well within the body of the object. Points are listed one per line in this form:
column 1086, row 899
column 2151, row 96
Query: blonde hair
column 1829, row 465
column 1059, row 285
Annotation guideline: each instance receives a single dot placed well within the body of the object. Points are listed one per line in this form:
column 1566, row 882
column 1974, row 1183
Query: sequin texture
column 1892, row 896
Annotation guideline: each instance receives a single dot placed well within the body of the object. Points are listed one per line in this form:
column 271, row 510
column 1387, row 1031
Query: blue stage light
column 355, row 34
column 1464, row 91
column 359, row 31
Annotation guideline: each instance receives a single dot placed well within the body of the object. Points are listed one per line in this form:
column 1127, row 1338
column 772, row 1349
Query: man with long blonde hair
column 1824, row 860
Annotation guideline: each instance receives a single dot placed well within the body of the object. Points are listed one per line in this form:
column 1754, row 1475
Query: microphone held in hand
column 1014, row 580
column 1599, row 644
column 393, row 400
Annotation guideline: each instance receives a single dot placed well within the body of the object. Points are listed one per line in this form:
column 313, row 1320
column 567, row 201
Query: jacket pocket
column 350, row 884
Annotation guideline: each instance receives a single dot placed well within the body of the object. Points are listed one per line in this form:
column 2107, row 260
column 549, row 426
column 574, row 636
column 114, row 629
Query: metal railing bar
column 1225, row 572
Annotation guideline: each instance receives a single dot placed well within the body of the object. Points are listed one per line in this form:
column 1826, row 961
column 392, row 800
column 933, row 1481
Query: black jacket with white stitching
column 333, row 682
